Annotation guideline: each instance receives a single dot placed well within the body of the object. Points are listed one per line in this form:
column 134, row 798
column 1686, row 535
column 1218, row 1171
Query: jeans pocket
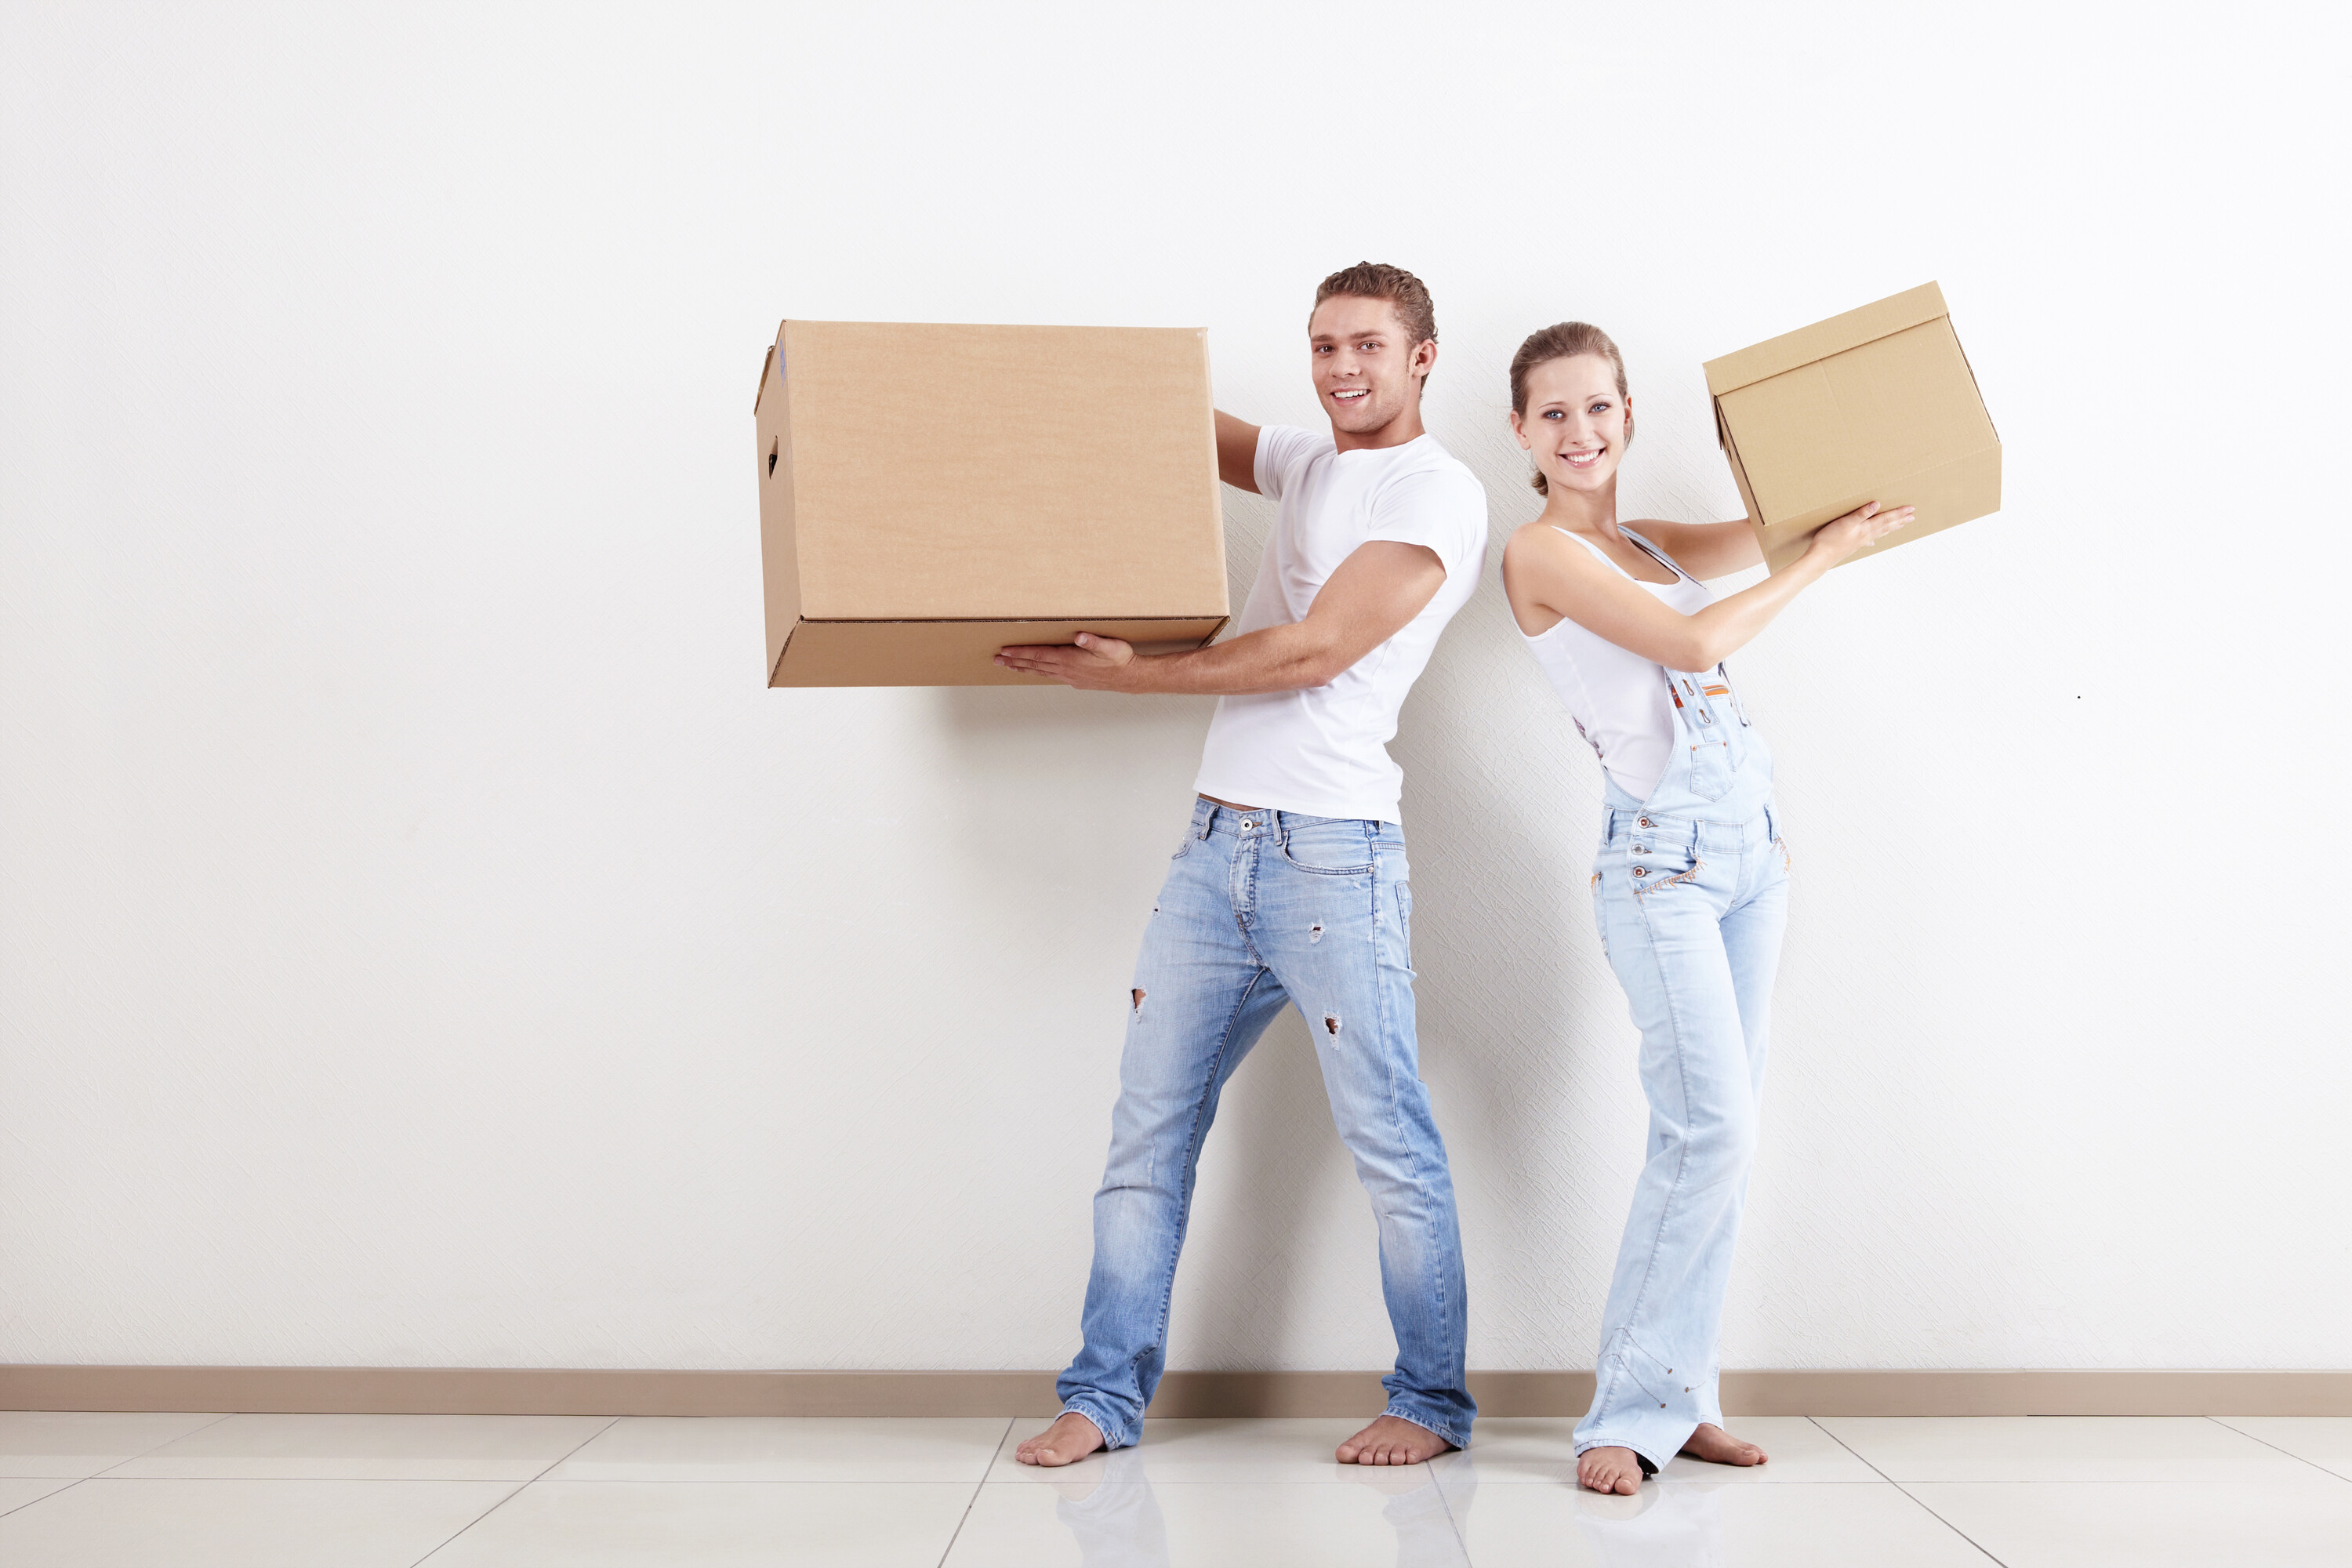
column 1653, row 861
column 1600, row 916
column 1339, row 850
column 1658, row 878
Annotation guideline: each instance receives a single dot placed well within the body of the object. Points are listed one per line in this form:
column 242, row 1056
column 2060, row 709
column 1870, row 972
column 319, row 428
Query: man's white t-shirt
column 1323, row 752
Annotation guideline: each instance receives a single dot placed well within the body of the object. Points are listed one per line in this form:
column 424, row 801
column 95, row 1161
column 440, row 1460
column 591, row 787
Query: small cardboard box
column 1876, row 405
column 928, row 494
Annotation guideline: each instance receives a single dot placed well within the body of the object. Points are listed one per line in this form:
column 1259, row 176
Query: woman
column 1690, row 892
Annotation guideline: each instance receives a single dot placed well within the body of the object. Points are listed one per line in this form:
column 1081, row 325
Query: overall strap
column 1722, row 673
column 1654, row 553
column 1651, row 551
column 1699, row 713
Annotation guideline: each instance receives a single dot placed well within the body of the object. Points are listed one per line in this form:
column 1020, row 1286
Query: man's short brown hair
column 1404, row 292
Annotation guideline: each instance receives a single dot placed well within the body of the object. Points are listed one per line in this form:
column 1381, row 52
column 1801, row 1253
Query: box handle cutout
column 772, row 459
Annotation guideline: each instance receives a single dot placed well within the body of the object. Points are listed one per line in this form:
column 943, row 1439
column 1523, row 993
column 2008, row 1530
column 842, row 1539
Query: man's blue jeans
column 1262, row 910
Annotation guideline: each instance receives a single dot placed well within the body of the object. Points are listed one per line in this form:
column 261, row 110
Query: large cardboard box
column 1876, row 405
column 928, row 494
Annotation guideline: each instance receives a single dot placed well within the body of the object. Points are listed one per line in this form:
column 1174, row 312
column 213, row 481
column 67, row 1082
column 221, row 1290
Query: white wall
column 426, row 942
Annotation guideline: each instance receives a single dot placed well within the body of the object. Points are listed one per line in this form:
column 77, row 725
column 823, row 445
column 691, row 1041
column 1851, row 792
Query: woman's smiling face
column 1575, row 422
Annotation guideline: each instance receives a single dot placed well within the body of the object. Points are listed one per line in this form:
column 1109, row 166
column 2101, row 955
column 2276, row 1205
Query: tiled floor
column 470, row 1492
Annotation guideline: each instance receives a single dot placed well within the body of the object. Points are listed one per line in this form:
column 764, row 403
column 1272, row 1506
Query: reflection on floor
column 260, row 1491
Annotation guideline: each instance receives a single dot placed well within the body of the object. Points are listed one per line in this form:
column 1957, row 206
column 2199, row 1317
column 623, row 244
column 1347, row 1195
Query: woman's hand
column 1865, row 525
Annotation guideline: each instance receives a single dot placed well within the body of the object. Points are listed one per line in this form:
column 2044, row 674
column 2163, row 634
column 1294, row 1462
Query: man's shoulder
column 1430, row 476
column 1427, row 465
column 1288, row 444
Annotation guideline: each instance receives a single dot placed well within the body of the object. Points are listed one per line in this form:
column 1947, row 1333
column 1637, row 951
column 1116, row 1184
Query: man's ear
column 1424, row 355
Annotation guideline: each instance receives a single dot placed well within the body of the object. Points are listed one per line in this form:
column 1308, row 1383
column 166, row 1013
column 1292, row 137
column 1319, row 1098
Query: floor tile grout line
column 969, row 1503
column 45, row 1496
column 129, row 1458
column 2266, row 1443
column 1461, row 1537
column 526, row 1486
column 1906, row 1491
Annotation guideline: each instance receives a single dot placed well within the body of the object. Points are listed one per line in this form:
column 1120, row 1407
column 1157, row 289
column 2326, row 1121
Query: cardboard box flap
column 773, row 350
column 1777, row 356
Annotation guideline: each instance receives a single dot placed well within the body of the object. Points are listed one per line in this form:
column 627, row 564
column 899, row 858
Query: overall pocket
column 1710, row 769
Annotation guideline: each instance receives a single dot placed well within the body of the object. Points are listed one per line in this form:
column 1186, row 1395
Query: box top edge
column 805, row 322
column 1847, row 330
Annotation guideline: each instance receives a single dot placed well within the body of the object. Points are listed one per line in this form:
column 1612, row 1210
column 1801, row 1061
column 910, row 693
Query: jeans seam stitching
column 1433, row 1283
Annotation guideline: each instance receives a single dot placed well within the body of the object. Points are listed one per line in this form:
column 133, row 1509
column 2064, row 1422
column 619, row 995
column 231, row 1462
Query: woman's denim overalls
column 1690, row 892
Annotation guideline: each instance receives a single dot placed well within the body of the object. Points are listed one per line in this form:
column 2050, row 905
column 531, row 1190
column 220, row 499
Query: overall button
column 1641, row 849
column 1645, row 822
column 1640, row 871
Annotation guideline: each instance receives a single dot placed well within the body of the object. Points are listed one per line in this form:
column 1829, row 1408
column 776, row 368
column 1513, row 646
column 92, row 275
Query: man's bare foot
column 1609, row 1471
column 1718, row 1446
column 1070, row 1438
column 1391, row 1440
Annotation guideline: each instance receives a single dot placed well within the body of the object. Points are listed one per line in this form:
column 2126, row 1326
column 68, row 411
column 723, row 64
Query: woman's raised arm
column 1706, row 549
column 1549, row 578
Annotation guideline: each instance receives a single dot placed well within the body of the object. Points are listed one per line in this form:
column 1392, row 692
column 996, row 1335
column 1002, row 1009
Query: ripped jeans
column 1262, row 910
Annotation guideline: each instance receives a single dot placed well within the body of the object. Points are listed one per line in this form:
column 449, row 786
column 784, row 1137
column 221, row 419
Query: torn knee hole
column 1330, row 1022
column 1136, row 997
column 1315, row 933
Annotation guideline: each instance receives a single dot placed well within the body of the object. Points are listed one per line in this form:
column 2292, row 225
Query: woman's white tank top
column 1618, row 698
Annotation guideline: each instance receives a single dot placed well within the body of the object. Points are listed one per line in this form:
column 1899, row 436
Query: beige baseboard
column 547, row 1391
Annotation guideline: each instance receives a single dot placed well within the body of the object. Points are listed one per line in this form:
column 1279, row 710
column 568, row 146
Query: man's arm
column 1376, row 591
column 1237, row 452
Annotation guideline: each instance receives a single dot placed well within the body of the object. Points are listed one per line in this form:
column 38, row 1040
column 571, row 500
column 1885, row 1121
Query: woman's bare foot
column 1070, row 1438
column 1718, row 1446
column 1391, row 1440
column 1609, row 1471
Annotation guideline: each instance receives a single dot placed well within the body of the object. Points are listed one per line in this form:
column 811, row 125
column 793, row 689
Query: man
column 1290, row 885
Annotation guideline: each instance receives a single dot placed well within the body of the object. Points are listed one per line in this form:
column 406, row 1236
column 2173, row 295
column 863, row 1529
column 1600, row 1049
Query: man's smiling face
column 1364, row 362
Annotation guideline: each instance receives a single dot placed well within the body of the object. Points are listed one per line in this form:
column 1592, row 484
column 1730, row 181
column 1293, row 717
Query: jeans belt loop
column 1208, row 819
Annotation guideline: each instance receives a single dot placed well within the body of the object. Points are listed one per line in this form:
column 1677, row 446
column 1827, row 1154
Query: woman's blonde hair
column 1564, row 340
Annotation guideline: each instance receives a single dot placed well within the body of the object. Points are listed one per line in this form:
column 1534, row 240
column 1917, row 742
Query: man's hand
column 1095, row 664
column 1373, row 595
